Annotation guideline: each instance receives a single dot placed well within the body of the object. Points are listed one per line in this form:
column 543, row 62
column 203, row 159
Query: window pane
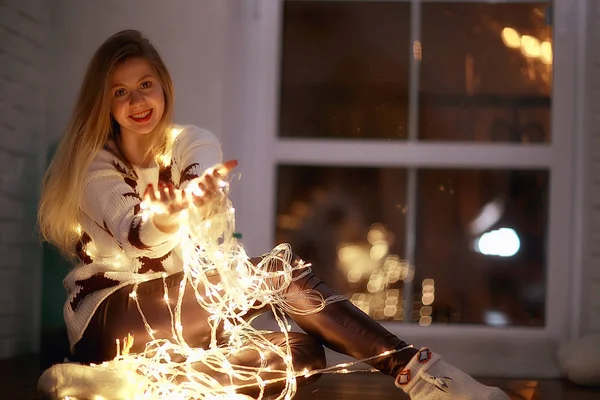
column 324, row 210
column 350, row 223
column 345, row 69
column 481, row 237
column 486, row 72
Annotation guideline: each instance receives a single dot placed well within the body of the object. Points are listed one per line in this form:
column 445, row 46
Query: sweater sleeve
column 194, row 151
column 114, row 205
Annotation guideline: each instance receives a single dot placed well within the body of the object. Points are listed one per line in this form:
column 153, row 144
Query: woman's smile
column 142, row 117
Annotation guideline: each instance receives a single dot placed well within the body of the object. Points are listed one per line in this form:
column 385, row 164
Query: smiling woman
column 140, row 251
column 137, row 103
column 94, row 122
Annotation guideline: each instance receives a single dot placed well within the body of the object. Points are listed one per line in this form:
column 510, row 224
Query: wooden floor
column 380, row 387
column 18, row 379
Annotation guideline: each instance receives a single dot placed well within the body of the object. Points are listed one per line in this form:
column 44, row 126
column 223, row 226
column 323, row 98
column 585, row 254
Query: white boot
column 76, row 381
column 427, row 377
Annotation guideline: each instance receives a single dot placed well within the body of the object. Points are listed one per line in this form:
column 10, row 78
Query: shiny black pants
column 340, row 326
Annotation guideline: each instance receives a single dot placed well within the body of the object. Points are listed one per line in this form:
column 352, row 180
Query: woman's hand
column 209, row 194
column 166, row 199
column 166, row 203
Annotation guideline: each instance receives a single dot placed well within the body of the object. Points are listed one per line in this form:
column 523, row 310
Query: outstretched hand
column 210, row 186
column 207, row 195
column 166, row 199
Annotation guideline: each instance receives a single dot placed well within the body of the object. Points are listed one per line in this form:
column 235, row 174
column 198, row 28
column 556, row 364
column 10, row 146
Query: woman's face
column 137, row 101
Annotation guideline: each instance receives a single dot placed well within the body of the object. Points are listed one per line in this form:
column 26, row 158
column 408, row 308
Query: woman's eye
column 146, row 84
column 120, row 92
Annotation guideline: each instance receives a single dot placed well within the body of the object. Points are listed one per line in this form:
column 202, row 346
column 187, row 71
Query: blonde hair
column 91, row 125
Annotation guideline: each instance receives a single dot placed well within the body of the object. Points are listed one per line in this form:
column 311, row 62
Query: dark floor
column 377, row 386
column 18, row 378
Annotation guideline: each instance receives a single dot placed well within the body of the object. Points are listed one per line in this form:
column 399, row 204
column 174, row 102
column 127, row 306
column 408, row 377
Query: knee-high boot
column 344, row 328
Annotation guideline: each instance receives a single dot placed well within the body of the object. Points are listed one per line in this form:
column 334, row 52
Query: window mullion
column 415, row 54
column 434, row 155
column 414, row 73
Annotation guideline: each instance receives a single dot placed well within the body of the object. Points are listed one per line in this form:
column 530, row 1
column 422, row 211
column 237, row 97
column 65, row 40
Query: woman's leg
column 342, row 326
column 307, row 354
column 119, row 316
column 346, row 329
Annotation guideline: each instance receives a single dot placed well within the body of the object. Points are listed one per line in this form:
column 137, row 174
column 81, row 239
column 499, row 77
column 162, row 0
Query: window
column 482, row 73
column 479, row 240
column 419, row 154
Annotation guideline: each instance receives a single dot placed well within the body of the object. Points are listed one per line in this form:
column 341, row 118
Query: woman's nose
column 136, row 97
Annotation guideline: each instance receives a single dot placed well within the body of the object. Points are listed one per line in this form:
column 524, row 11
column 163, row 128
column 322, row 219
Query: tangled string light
column 171, row 369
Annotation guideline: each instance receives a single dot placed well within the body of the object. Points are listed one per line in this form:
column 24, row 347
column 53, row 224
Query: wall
column 24, row 27
column 590, row 288
column 189, row 34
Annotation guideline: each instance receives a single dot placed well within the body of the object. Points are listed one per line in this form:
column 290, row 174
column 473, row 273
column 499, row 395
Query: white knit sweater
column 118, row 247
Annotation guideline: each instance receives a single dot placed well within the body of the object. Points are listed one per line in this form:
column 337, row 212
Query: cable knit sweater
column 118, row 247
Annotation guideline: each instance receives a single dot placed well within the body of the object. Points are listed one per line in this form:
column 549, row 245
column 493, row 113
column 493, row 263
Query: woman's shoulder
column 109, row 155
column 187, row 134
column 108, row 160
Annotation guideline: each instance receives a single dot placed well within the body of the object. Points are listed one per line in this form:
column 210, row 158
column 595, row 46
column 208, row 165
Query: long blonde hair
column 91, row 125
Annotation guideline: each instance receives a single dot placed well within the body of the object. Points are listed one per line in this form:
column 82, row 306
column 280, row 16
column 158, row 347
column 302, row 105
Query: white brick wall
column 24, row 27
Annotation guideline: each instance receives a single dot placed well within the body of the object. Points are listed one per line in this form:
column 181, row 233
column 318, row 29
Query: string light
column 165, row 159
column 171, row 369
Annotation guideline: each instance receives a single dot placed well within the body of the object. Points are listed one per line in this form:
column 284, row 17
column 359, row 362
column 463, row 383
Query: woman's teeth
column 141, row 115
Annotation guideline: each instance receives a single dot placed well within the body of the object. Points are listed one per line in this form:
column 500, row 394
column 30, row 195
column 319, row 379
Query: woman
column 118, row 148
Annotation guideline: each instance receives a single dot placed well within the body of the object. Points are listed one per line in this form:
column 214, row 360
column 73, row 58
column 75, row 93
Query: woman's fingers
column 213, row 178
column 172, row 192
column 163, row 191
column 150, row 193
column 198, row 201
column 226, row 167
column 210, row 181
column 198, row 196
column 209, row 191
column 166, row 193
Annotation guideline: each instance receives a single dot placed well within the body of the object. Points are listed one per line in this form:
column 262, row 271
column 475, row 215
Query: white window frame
column 251, row 136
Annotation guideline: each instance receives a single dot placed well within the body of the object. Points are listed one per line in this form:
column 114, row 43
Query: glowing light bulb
column 417, row 50
column 530, row 46
column 546, row 54
column 503, row 242
column 495, row 318
column 511, row 38
column 164, row 159
column 175, row 132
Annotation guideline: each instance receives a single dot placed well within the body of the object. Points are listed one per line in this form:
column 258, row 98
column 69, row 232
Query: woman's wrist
column 167, row 223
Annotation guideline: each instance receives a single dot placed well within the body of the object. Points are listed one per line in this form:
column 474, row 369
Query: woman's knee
column 307, row 353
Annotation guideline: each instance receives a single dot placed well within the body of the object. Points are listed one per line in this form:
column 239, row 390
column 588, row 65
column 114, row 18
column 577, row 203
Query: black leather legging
column 340, row 326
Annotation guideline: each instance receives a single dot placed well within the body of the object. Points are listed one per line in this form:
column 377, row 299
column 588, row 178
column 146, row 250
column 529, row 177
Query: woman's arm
column 194, row 151
column 113, row 204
